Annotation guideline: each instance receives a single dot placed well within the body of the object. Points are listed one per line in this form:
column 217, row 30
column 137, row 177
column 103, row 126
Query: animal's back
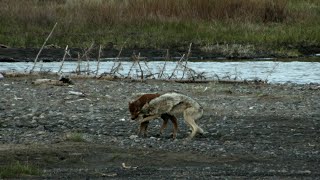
column 177, row 98
column 173, row 102
column 146, row 98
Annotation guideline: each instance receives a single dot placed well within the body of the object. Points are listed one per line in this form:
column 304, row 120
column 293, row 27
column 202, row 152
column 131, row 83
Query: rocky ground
column 84, row 131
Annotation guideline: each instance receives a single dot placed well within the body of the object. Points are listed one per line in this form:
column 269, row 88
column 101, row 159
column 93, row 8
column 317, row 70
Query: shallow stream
column 272, row 71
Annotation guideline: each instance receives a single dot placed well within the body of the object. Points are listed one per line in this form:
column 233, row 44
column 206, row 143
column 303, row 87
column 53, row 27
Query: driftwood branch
column 117, row 64
column 85, row 55
column 186, row 60
column 98, row 63
column 164, row 65
column 174, row 70
column 36, row 59
column 78, row 70
column 137, row 59
column 64, row 57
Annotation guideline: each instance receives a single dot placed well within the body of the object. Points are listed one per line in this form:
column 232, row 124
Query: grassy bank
column 273, row 24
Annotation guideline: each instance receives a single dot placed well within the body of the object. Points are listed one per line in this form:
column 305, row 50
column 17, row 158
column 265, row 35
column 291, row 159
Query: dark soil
column 174, row 53
column 255, row 131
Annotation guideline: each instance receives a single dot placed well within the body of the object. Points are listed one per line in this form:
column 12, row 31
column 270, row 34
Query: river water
column 272, row 71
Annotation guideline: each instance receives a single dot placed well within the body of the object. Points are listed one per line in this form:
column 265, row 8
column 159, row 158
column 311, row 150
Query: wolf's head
column 134, row 109
column 136, row 106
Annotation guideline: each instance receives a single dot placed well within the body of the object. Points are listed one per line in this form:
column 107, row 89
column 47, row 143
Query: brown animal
column 174, row 104
column 136, row 106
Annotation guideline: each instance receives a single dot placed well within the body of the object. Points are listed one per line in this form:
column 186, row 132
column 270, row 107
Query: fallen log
column 49, row 82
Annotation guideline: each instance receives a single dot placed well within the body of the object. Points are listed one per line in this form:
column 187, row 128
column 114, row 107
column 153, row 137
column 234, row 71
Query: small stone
column 133, row 137
column 41, row 132
column 61, row 121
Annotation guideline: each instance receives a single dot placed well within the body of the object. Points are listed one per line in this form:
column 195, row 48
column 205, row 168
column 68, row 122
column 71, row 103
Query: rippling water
column 273, row 71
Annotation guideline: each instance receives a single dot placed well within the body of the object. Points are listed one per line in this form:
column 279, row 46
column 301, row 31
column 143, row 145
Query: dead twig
column 78, row 70
column 117, row 63
column 186, row 60
column 85, row 55
column 98, row 63
column 36, row 59
column 64, row 56
column 164, row 65
column 150, row 74
column 174, row 70
column 137, row 59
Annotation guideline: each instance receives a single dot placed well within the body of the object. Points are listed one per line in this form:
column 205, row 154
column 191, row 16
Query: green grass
column 75, row 137
column 17, row 170
column 160, row 24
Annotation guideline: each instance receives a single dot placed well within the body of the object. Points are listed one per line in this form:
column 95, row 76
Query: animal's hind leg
column 190, row 116
column 175, row 126
column 173, row 119
column 164, row 124
column 192, row 125
column 143, row 128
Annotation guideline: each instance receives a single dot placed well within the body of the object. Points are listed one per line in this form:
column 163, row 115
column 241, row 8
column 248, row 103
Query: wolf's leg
column 173, row 119
column 197, row 114
column 175, row 126
column 165, row 118
column 190, row 115
column 194, row 127
column 148, row 118
column 143, row 128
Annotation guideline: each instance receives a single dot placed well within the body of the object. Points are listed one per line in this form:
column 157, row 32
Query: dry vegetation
column 159, row 22
column 139, row 11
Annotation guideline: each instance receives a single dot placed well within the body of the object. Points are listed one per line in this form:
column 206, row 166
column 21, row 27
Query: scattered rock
column 281, row 125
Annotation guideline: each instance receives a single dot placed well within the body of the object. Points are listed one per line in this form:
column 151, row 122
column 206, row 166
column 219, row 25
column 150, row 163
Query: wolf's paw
column 172, row 136
column 201, row 135
column 140, row 135
column 186, row 141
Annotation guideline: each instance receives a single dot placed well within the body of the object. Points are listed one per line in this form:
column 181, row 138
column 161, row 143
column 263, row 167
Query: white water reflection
column 273, row 71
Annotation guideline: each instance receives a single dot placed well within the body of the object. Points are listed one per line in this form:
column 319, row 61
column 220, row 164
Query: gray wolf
column 173, row 104
column 136, row 106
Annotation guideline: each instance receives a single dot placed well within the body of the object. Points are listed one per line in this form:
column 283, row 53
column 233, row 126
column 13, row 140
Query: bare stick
column 162, row 70
column 87, row 50
column 133, row 64
column 36, row 59
column 174, row 70
column 186, row 60
column 114, row 68
column 87, row 57
column 164, row 66
column 98, row 63
column 148, row 69
column 64, row 56
column 138, row 61
column 78, row 66
column 189, row 51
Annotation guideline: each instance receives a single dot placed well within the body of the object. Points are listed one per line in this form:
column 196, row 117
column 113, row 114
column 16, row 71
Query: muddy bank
column 257, row 131
column 174, row 53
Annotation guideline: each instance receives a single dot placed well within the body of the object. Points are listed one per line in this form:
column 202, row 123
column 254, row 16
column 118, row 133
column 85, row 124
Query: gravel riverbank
column 84, row 130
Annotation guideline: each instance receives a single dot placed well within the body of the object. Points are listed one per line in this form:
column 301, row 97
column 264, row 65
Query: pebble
column 229, row 125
